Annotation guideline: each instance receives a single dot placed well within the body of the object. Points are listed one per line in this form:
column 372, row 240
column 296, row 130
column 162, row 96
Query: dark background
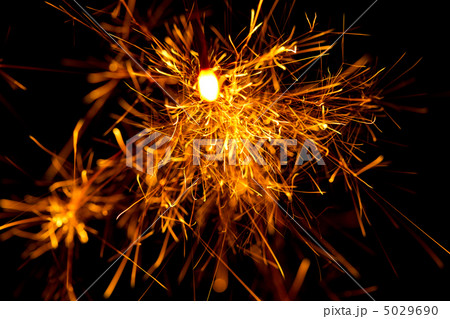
column 36, row 35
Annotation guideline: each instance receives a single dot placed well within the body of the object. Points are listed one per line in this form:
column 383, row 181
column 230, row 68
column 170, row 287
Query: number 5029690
column 410, row 310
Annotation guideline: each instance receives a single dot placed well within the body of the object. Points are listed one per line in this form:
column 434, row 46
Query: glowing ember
column 208, row 85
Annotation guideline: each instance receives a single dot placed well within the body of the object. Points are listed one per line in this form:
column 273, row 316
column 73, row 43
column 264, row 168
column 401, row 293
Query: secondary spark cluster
column 250, row 93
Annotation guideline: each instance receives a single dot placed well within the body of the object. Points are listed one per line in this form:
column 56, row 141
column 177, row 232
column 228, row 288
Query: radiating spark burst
column 227, row 213
column 251, row 72
column 63, row 214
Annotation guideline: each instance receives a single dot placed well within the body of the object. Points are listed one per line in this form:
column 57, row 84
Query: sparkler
column 233, row 209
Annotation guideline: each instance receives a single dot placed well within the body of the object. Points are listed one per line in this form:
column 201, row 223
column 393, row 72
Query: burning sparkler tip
column 208, row 85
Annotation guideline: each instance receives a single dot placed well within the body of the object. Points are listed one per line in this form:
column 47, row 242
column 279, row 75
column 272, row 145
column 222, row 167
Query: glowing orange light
column 208, row 85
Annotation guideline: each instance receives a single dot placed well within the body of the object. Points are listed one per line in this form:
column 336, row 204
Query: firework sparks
column 62, row 216
column 232, row 94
